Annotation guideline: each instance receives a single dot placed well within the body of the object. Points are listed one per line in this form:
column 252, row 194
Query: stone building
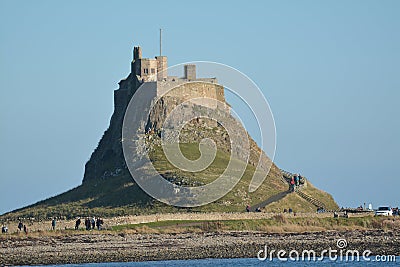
column 155, row 70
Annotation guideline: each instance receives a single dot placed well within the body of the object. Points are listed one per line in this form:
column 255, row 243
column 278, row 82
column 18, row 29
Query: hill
column 108, row 188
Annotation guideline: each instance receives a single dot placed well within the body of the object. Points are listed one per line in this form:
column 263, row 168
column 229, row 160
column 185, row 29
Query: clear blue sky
column 329, row 69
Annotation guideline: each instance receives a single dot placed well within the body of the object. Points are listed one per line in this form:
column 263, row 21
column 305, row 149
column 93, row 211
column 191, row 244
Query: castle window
column 153, row 71
column 146, row 71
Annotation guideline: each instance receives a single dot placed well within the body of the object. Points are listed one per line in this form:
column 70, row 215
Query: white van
column 384, row 211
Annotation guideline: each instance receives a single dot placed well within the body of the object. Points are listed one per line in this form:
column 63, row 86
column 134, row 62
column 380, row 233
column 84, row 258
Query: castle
column 154, row 74
column 148, row 70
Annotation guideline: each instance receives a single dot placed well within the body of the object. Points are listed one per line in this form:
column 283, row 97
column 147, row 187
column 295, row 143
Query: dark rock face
column 107, row 159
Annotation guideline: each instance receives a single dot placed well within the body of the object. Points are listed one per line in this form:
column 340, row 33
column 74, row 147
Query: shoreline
column 126, row 247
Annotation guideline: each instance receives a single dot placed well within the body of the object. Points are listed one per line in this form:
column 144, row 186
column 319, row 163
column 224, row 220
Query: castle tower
column 162, row 65
column 137, row 52
column 136, row 65
column 148, row 69
column 189, row 72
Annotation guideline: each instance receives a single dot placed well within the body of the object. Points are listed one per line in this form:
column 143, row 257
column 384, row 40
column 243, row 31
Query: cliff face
column 107, row 159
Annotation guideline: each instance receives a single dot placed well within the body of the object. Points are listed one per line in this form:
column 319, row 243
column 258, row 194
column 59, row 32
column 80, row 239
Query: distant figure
column 290, row 210
column 292, row 184
column 87, row 224
column 284, row 210
column 25, row 229
column 258, row 209
column 77, row 223
column 53, row 223
column 296, row 179
column 396, row 211
column 93, row 222
column 20, row 226
column 4, row 229
column 335, row 215
column 301, row 180
column 248, row 208
column 99, row 223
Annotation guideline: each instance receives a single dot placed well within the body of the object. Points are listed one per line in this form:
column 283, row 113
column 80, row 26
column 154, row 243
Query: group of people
column 4, row 229
column 296, row 180
column 290, row 210
column 248, row 209
column 22, row 226
column 90, row 223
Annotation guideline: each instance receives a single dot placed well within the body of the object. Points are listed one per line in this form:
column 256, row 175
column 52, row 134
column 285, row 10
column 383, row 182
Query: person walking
column 20, row 226
column 296, row 178
column 99, row 222
column 77, row 223
column 292, row 184
column 93, row 222
column 53, row 224
column 87, row 223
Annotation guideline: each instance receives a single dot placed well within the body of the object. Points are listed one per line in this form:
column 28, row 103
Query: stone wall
column 190, row 72
column 148, row 70
column 192, row 90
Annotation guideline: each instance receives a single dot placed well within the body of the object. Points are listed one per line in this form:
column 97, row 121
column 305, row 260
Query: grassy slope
column 277, row 224
column 120, row 195
column 298, row 204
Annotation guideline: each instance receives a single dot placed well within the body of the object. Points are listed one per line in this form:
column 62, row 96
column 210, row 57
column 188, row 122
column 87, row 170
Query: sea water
column 240, row 262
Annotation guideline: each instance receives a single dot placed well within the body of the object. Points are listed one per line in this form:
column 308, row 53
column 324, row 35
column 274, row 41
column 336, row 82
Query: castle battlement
column 148, row 69
column 145, row 70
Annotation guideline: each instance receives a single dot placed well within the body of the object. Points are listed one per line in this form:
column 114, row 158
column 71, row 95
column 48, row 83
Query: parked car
column 384, row 211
